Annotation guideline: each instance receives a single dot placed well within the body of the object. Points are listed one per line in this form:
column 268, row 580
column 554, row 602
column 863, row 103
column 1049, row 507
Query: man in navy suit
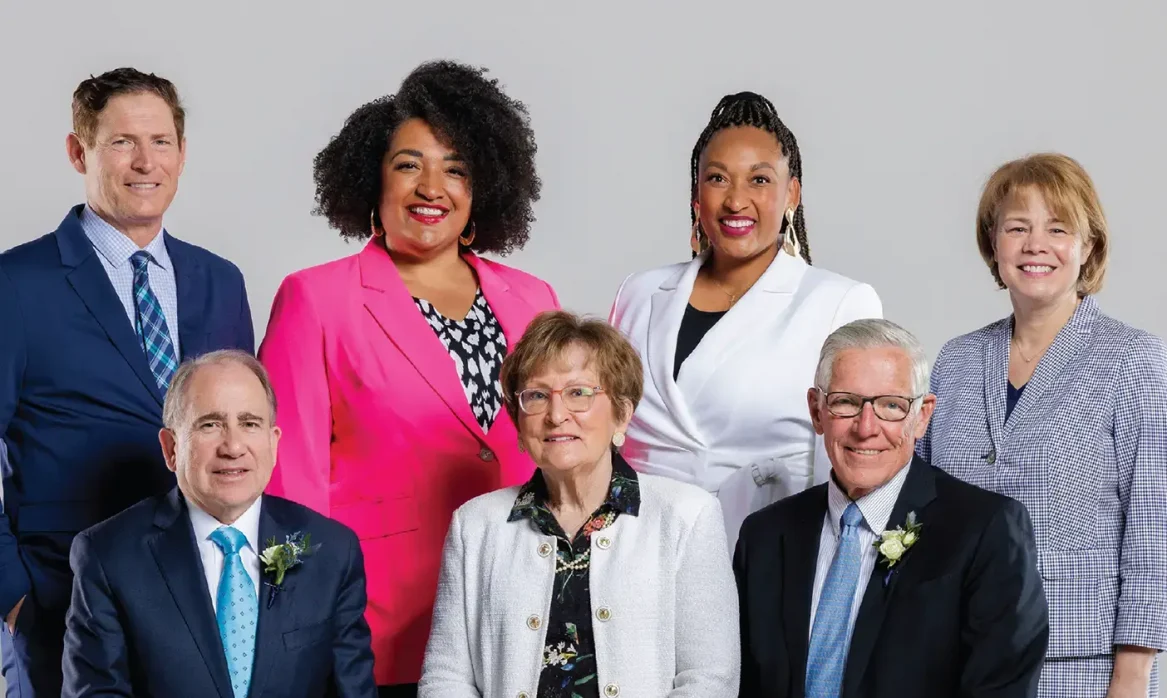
column 177, row 596
column 892, row 579
column 94, row 319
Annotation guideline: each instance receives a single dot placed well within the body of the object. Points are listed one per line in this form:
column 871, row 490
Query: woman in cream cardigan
column 590, row 579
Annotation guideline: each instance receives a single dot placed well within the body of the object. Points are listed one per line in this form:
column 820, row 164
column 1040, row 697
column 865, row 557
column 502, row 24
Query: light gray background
column 902, row 109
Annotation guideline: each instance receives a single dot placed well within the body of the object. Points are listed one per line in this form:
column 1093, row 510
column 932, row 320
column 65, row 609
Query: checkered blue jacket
column 1085, row 449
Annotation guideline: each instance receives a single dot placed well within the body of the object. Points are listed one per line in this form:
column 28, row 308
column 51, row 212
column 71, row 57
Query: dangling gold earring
column 698, row 242
column 618, row 439
column 790, row 243
column 467, row 240
column 377, row 232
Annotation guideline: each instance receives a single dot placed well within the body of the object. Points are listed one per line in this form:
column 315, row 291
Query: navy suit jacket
column 141, row 621
column 79, row 408
column 962, row 614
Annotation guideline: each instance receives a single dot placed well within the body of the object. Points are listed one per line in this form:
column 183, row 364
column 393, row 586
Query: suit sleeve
column 751, row 683
column 14, row 579
column 95, row 662
column 614, row 313
column 352, row 649
column 448, row 669
column 1140, row 435
column 245, row 332
column 293, row 354
column 708, row 642
column 554, row 297
column 1006, row 630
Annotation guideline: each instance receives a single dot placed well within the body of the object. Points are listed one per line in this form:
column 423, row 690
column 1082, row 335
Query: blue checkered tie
column 831, row 636
column 151, row 323
column 237, row 609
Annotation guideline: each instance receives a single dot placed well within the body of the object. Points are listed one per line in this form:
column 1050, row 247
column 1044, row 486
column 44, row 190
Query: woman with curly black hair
column 386, row 363
column 730, row 340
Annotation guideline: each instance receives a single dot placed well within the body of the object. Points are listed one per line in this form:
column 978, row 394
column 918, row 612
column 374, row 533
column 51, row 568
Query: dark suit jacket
column 79, row 408
column 963, row 613
column 142, row 624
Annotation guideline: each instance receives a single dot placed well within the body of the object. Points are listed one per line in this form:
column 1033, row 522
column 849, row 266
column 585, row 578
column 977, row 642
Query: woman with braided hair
column 730, row 339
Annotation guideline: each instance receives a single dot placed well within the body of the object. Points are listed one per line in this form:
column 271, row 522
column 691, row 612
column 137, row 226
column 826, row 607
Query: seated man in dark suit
column 893, row 579
column 94, row 319
column 215, row 589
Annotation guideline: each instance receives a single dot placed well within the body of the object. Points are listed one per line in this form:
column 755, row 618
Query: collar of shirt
column 247, row 524
column 876, row 506
column 114, row 246
column 623, row 492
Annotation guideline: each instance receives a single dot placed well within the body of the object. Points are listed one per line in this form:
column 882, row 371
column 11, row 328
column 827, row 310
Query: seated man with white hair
column 892, row 579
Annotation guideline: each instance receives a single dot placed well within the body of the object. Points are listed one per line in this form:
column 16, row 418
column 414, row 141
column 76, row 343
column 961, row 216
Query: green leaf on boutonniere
column 278, row 558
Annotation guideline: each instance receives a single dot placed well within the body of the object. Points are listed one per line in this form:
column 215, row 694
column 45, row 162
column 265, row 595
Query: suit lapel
column 918, row 491
column 91, row 283
column 176, row 553
column 995, row 369
column 391, row 305
column 664, row 322
column 799, row 565
column 192, row 328
column 1066, row 347
column 273, row 524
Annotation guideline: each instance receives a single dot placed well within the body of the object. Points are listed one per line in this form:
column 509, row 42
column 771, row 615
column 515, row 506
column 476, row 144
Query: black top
column 1012, row 395
column 477, row 346
column 569, row 653
column 694, row 325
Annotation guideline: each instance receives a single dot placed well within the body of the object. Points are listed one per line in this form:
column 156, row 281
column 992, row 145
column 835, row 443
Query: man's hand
column 11, row 619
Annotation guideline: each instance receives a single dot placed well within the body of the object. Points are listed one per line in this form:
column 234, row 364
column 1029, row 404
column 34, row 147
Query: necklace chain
column 584, row 560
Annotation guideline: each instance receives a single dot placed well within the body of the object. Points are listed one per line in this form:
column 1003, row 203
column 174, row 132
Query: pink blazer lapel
column 391, row 305
column 514, row 313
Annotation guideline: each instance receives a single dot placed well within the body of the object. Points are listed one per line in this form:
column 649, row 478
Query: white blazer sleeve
column 860, row 301
column 708, row 641
column 448, row 670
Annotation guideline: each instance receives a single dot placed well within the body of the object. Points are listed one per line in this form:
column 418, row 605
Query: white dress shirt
column 212, row 557
column 876, row 508
column 114, row 250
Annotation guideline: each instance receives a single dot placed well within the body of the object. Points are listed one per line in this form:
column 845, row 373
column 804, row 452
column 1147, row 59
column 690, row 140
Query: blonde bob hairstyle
column 1067, row 191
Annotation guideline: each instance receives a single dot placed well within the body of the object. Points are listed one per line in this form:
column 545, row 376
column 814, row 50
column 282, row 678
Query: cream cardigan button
column 486, row 454
column 611, row 690
column 533, row 622
column 544, row 550
column 605, row 614
column 523, row 694
column 604, row 543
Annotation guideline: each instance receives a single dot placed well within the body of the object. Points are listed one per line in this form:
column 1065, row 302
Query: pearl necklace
column 584, row 560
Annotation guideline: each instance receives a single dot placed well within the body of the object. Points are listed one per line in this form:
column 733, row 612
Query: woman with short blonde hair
column 1061, row 407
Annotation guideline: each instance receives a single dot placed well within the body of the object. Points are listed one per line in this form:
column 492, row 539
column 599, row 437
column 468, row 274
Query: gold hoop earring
column 790, row 243
column 618, row 439
column 466, row 241
column 377, row 232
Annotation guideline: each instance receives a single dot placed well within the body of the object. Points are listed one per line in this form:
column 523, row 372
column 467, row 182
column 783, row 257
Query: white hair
column 176, row 404
column 874, row 333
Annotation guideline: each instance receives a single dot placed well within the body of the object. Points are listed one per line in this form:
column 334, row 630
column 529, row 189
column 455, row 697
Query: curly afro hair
column 488, row 128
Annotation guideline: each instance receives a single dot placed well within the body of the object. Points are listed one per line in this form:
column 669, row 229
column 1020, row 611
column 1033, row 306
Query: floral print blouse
column 569, row 656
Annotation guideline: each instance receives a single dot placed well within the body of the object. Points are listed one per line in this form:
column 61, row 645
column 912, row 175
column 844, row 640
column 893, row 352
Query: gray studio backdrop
column 902, row 109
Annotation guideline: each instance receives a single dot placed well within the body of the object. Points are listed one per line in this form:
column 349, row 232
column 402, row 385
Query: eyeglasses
column 576, row 398
column 889, row 408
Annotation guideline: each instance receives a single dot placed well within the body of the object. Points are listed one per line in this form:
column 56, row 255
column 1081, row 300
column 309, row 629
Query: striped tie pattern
column 831, row 635
column 237, row 609
column 151, row 324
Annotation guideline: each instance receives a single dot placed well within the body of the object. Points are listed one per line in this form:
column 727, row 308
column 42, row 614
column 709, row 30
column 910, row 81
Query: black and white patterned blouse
column 477, row 346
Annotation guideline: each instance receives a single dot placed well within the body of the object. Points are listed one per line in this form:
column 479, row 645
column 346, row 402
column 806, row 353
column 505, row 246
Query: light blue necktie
column 237, row 609
column 830, row 638
column 151, row 324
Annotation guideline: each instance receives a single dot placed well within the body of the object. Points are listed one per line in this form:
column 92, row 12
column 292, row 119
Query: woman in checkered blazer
column 1065, row 409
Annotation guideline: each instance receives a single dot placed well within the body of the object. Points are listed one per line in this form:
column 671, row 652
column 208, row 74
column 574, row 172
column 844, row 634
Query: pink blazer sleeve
column 293, row 353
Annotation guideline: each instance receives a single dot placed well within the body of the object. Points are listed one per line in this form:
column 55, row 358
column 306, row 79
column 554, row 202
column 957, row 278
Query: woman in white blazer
column 590, row 580
column 730, row 339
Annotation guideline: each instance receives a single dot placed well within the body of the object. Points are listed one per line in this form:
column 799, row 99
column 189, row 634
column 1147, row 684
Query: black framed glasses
column 889, row 408
column 576, row 398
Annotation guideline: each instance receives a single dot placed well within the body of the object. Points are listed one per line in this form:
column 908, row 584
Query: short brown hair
column 1068, row 191
column 552, row 333
column 92, row 95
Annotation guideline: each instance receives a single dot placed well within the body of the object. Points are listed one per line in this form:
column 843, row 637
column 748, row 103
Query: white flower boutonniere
column 278, row 558
column 893, row 544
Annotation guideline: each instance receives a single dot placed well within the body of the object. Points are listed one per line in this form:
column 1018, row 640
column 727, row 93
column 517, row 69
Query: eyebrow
column 758, row 166
column 222, row 417
column 1026, row 219
column 418, row 154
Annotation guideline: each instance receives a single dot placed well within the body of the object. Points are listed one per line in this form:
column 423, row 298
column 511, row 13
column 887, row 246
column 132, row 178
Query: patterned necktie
column 830, row 638
column 237, row 609
column 151, row 324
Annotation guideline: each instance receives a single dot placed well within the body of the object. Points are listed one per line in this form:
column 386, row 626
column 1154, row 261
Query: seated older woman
column 590, row 579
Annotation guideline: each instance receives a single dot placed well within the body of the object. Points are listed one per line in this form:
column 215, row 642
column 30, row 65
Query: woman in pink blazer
column 385, row 363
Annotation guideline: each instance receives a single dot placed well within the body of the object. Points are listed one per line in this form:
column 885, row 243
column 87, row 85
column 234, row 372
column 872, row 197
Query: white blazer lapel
column 753, row 315
column 664, row 322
